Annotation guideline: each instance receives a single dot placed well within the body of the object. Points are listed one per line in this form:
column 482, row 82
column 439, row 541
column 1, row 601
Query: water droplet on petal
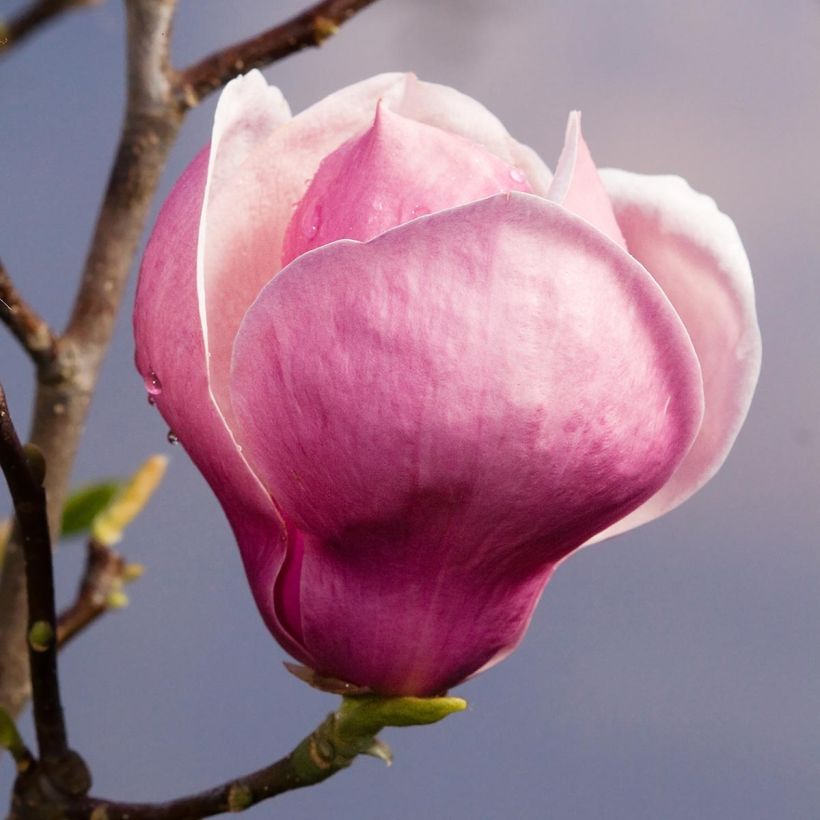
column 517, row 175
column 172, row 437
column 418, row 210
column 311, row 227
column 152, row 400
column 152, row 384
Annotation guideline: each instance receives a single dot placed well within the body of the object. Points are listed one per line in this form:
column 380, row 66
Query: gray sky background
column 671, row 673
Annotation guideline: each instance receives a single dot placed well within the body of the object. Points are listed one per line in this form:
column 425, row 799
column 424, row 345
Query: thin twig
column 29, row 499
column 235, row 795
column 34, row 17
column 331, row 747
column 350, row 731
column 104, row 574
column 308, row 28
column 26, row 325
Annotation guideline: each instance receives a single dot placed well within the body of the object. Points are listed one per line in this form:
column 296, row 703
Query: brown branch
column 34, row 17
column 311, row 762
column 29, row 499
column 308, row 28
column 105, row 572
column 26, row 325
column 331, row 747
column 151, row 125
column 64, row 389
column 350, row 731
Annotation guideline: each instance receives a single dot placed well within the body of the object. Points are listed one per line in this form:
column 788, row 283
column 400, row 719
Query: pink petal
column 577, row 186
column 246, row 214
column 695, row 254
column 450, row 110
column 395, row 171
column 448, row 410
column 249, row 110
column 171, row 358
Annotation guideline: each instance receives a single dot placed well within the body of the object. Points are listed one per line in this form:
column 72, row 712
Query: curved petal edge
column 694, row 252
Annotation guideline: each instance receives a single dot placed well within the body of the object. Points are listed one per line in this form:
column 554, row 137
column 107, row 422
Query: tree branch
column 29, row 499
column 350, row 731
column 311, row 762
column 26, row 325
column 150, row 127
column 34, row 17
column 64, row 389
column 308, row 28
column 105, row 573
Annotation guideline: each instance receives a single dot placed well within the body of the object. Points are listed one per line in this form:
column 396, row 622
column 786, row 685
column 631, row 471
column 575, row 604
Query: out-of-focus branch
column 308, row 28
column 64, row 389
column 105, row 573
column 151, row 124
column 34, row 17
column 24, row 476
column 26, row 325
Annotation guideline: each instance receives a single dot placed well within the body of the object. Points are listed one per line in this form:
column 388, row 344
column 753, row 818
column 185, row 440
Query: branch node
column 40, row 636
column 240, row 797
column 325, row 27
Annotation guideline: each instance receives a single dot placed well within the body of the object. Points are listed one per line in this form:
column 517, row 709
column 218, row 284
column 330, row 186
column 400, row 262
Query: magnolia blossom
column 418, row 370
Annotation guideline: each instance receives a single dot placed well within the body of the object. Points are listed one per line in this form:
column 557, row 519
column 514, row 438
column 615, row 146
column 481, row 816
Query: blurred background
column 671, row 673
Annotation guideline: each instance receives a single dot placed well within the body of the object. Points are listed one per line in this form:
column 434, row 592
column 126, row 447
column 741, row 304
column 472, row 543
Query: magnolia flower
column 418, row 370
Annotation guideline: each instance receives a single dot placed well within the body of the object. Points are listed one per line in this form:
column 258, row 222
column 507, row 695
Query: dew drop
column 152, row 384
column 172, row 437
column 517, row 175
column 152, row 400
column 311, row 227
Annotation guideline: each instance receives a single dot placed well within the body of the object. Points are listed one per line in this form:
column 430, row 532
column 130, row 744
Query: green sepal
column 352, row 730
column 85, row 503
column 366, row 715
